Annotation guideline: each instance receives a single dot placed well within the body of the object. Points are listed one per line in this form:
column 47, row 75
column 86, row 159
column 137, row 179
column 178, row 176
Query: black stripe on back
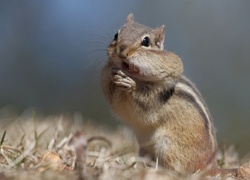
column 184, row 80
column 166, row 94
column 188, row 97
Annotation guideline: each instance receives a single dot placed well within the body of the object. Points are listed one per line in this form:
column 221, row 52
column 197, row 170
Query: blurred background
column 51, row 54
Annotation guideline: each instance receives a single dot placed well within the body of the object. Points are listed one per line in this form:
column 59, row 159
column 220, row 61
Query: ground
column 71, row 147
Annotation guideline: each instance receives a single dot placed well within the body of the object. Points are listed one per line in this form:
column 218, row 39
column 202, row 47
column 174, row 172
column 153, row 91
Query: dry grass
column 72, row 148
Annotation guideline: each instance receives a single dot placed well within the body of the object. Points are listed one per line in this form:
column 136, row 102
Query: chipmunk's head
column 133, row 48
column 133, row 36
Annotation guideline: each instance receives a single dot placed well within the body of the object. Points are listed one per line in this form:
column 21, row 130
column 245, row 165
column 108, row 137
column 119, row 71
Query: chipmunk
column 146, row 89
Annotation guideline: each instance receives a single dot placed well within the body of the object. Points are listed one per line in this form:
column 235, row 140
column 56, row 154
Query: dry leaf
column 51, row 161
column 243, row 172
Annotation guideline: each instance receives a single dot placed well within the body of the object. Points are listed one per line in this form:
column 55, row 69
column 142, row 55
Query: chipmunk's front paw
column 122, row 81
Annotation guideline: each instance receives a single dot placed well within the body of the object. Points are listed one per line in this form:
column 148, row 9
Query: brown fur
column 145, row 88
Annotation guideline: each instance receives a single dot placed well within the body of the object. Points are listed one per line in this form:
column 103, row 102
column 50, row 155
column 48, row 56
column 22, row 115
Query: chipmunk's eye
column 116, row 37
column 145, row 42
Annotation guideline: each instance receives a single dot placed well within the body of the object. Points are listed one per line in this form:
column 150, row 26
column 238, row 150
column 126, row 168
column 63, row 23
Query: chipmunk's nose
column 123, row 51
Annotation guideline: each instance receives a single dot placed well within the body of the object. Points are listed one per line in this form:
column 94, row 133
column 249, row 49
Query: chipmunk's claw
column 121, row 80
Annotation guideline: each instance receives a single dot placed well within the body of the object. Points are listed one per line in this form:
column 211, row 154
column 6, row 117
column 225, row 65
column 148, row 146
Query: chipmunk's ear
column 130, row 18
column 160, row 36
